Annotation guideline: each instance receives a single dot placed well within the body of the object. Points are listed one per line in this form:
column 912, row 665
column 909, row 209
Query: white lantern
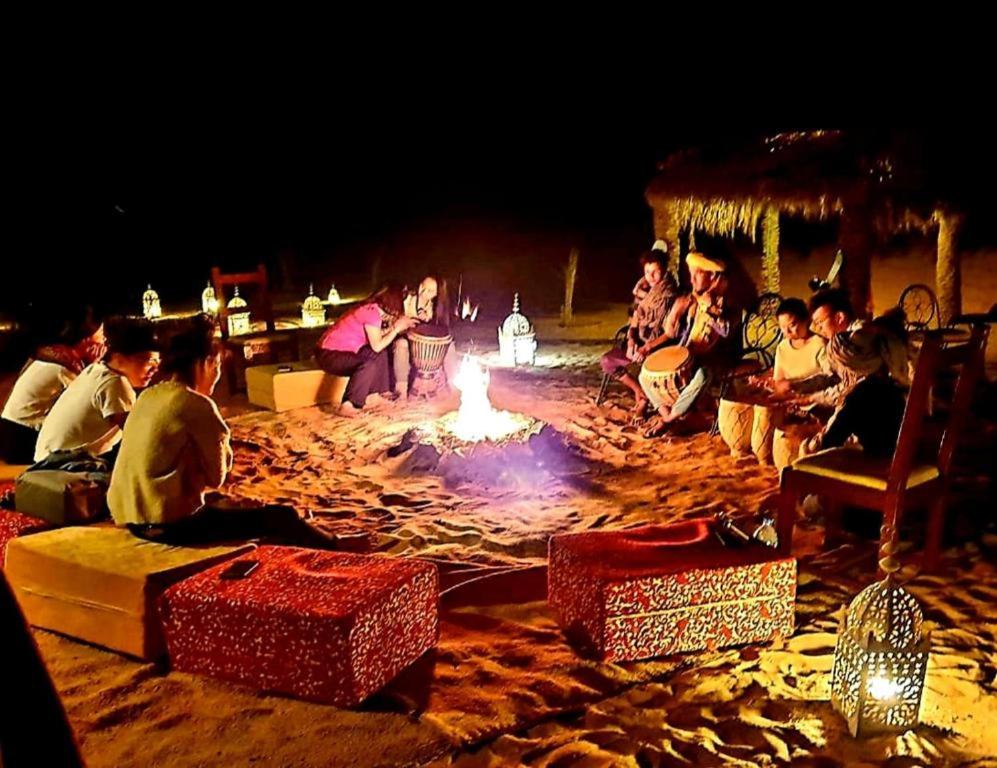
column 150, row 304
column 209, row 301
column 517, row 341
column 880, row 661
column 334, row 296
column 312, row 311
column 238, row 315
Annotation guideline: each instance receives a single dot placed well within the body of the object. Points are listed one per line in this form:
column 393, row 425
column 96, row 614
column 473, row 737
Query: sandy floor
column 504, row 688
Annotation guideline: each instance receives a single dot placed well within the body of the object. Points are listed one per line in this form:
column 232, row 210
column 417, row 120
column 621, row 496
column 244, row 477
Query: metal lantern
column 312, row 311
column 880, row 660
column 151, row 308
column 238, row 315
column 209, row 301
column 334, row 296
column 517, row 340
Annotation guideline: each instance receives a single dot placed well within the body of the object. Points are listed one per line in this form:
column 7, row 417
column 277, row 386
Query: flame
column 468, row 311
column 477, row 419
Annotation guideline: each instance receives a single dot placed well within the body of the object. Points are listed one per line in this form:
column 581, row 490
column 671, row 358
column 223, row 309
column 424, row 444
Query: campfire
column 477, row 419
column 480, row 444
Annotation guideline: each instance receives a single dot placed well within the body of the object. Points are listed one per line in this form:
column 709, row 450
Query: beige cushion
column 99, row 584
column 853, row 466
column 301, row 387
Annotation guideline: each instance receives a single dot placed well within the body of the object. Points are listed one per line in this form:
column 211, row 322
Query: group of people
column 852, row 371
column 358, row 345
column 123, row 400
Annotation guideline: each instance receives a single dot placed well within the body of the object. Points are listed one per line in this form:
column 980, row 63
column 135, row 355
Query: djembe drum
column 665, row 374
column 428, row 352
column 762, row 430
column 735, row 420
column 788, row 437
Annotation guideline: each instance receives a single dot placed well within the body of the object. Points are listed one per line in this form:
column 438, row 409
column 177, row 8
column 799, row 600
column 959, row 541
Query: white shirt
column 796, row 364
column 79, row 418
column 35, row 392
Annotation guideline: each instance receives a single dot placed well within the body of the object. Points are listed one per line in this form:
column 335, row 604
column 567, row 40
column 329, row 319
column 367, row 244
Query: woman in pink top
column 357, row 347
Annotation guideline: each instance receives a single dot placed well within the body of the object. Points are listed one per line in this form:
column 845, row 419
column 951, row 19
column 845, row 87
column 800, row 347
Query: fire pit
column 478, row 443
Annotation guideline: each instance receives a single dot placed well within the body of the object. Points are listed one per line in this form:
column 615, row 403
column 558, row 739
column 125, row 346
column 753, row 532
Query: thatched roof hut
column 873, row 188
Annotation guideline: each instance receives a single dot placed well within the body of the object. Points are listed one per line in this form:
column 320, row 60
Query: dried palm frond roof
column 813, row 175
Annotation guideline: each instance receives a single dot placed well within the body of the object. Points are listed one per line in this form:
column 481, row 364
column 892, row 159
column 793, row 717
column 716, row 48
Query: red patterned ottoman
column 325, row 626
column 14, row 524
column 657, row 590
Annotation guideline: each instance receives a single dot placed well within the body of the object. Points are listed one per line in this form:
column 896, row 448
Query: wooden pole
column 570, row 274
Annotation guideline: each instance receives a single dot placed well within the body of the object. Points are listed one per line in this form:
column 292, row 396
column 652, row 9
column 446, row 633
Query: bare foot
column 348, row 410
column 376, row 400
column 639, row 412
column 656, row 428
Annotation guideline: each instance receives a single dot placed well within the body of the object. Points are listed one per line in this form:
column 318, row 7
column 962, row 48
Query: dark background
column 120, row 182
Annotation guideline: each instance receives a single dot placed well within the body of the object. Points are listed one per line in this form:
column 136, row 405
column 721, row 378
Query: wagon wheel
column 919, row 307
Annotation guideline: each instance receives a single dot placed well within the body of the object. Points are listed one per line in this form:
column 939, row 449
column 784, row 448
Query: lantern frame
column 880, row 661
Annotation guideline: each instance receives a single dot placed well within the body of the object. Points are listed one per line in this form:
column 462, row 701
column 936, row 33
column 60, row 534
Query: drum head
column 667, row 359
column 430, row 334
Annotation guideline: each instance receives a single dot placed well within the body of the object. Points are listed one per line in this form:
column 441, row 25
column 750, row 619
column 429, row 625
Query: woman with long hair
column 357, row 346
column 430, row 305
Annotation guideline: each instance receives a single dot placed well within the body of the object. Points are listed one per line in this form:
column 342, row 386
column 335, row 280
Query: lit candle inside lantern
column 151, row 308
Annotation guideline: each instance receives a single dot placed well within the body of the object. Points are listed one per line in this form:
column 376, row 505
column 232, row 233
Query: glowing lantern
column 312, row 311
column 150, row 304
column 334, row 296
column 517, row 341
column 880, row 659
column 209, row 302
column 238, row 315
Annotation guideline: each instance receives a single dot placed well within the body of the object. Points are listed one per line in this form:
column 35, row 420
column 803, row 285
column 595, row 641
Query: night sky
column 116, row 187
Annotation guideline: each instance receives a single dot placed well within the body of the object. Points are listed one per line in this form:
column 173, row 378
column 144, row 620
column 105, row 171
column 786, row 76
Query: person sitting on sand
column 356, row 346
column 430, row 305
column 699, row 321
column 646, row 325
column 798, row 355
column 865, row 374
column 90, row 414
column 177, row 446
column 46, row 375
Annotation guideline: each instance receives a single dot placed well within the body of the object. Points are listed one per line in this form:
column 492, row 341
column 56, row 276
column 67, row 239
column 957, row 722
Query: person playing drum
column 700, row 322
column 646, row 324
column 430, row 305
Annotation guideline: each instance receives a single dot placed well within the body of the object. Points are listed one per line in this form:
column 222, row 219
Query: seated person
column 429, row 304
column 89, row 415
column 865, row 377
column 797, row 357
column 643, row 287
column 355, row 346
column 45, row 376
column 176, row 446
column 699, row 321
column 646, row 325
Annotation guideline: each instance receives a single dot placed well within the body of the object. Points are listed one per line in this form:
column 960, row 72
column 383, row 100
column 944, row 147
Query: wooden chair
column 847, row 476
column 618, row 339
column 262, row 348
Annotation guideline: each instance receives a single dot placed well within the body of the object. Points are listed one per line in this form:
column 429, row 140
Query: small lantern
column 312, row 311
column 517, row 341
column 151, row 308
column 238, row 315
column 209, row 301
column 334, row 296
column 880, row 660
